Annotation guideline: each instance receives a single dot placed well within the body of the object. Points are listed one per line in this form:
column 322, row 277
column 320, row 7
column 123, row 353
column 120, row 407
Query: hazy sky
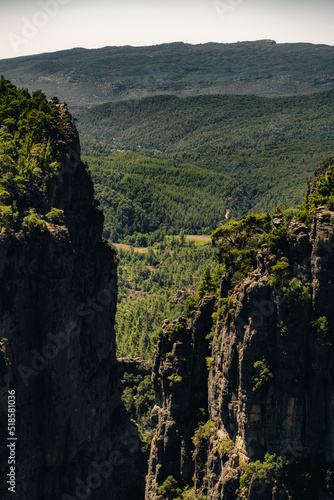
column 30, row 27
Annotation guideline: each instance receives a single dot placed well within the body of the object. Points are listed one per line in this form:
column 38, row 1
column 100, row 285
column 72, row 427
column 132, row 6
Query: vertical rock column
column 180, row 380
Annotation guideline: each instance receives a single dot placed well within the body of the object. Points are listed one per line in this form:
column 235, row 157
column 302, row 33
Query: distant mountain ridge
column 86, row 77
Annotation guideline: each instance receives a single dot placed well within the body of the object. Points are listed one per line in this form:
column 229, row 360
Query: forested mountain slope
column 243, row 379
column 244, row 393
column 235, row 154
column 84, row 77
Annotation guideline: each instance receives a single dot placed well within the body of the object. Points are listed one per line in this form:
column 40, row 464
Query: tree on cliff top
column 237, row 241
column 30, row 131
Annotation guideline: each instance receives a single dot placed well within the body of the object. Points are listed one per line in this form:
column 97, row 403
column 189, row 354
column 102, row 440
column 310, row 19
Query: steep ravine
column 244, row 392
column 57, row 313
column 269, row 384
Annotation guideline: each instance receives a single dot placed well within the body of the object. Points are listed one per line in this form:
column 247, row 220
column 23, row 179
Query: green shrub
column 239, row 276
column 323, row 193
column 146, row 439
column 208, row 285
column 169, row 356
column 189, row 493
column 226, row 447
column 175, row 379
column 189, row 306
column 211, row 334
column 225, row 306
column 144, row 399
column 128, row 399
column 305, row 215
column 280, row 267
column 8, row 218
column 209, row 362
column 279, row 271
column 55, row 216
column 33, row 224
column 276, row 239
column 130, row 379
column 239, row 262
column 157, row 335
column 177, row 328
column 169, row 332
column 296, row 293
column 138, row 398
column 271, row 468
column 263, row 374
column 169, row 490
column 203, row 433
column 219, row 316
column 320, row 328
column 283, row 329
column 201, row 417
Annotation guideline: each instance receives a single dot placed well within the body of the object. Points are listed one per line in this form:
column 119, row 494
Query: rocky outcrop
column 180, row 381
column 57, row 313
column 270, row 384
column 137, row 366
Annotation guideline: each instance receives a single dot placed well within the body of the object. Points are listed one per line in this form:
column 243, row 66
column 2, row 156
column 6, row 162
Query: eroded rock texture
column 57, row 310
column 180, row 380
column 270, row 386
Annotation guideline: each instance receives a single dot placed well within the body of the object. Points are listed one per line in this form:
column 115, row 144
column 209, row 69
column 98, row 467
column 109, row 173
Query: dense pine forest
column 166, row 166
column 143, row 197
column 204, row 197
column 158, row 179
column 239, row 154
column 159, row 283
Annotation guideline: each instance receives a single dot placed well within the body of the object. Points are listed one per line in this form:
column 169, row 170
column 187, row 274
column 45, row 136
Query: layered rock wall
column 57, row 313
column 270, row 384
column 180, row 380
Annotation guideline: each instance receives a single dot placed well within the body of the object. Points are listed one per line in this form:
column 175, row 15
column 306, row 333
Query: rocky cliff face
column 244, row 396
column 270, row 387
column 57, row 313
column 180, row 380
